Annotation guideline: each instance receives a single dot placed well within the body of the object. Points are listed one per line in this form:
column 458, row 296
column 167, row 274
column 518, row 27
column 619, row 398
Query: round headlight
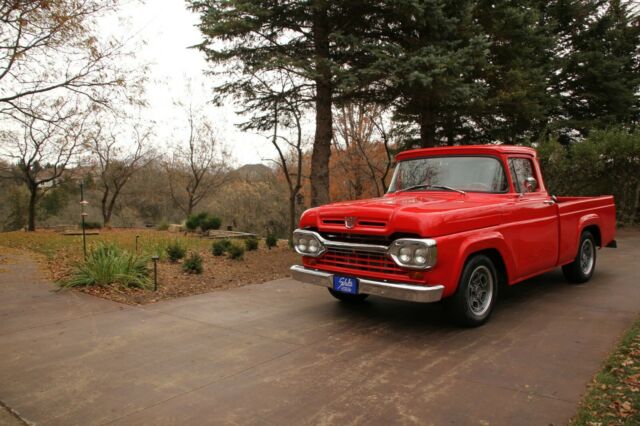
column 302, row 244
column 314, row 246
column 405, row 254
column 420, row 257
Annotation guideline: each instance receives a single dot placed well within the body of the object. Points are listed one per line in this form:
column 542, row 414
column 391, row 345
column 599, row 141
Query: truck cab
column 455, row 223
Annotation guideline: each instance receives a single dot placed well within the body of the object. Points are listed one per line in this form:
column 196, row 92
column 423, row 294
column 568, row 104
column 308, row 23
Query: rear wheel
column 581, row 269
column 477, row 292
column 346, row 297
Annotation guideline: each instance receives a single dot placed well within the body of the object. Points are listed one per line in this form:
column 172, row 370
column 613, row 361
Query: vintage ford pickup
column 456, row 223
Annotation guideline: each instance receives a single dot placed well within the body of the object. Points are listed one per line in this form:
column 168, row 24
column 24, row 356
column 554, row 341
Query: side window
column 521, row 169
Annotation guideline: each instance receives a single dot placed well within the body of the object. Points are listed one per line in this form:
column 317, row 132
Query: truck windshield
column 467, row 173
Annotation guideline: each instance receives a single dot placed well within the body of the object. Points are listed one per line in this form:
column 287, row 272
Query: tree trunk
column 106, row 215
column 292, row 215
column 427, row 129
column 33, row 199
column 324, row 120
column 189, row 206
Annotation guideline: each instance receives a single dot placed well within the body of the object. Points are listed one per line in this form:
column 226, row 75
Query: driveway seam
column 14, row 413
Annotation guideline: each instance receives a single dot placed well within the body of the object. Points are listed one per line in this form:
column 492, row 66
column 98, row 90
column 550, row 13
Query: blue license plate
column 345, row 284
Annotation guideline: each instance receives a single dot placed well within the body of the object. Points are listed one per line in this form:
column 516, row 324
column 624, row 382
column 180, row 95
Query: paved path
column 283, row 353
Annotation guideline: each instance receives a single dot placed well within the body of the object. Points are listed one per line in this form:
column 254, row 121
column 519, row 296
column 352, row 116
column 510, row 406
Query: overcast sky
column 167, row 28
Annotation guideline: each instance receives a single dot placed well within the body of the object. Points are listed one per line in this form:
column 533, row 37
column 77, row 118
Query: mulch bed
column 220, row 273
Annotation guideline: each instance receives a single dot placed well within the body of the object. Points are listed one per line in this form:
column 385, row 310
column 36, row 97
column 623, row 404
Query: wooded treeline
column 453, row 71
column 336, row 87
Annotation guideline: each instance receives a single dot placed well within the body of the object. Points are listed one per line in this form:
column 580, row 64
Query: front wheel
column 477, row 292
column 581, row 269
column 346, row 297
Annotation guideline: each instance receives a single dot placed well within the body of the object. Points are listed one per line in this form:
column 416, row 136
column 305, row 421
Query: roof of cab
column 466, row 150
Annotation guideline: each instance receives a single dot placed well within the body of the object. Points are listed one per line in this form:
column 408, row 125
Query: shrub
column 108, row 264
column 193, row 222
column 606, row 162
column 175, row 250
column 163, row 226
column 235, row 251
column 91, row 225
column 251, row 243
column 271, row 241
column 220, row 247
column 193, row 264
column 210, row 222
column 203, row 221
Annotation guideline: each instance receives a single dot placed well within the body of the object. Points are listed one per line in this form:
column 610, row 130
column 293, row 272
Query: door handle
column 549, row 202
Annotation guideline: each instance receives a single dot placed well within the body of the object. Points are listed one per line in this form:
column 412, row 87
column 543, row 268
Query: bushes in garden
column 203, row 221
column 220, row 247
column 193, row 264
column 163, row 226
column 235, row 251
column 607, row 162
column 175, row 251
column 108, row 264
column 271, row 241
column 91, row 225
column 251, row 243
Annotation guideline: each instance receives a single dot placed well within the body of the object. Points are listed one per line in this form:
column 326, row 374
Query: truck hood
column 424, row 214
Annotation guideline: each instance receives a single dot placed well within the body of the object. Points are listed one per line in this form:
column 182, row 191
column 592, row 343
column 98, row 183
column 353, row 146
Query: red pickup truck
column 455, row 223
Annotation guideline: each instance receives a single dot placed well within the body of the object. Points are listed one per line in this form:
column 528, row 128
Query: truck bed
column 577, row 212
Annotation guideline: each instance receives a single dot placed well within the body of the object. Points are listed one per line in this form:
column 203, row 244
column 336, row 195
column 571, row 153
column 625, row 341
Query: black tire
column 581, row 269
column 346, row 297
column 477, row 292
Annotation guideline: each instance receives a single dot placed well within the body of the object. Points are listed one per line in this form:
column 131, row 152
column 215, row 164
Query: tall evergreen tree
column 524, row 44
column 433, row 53
column 601, row 78
column 305, row 38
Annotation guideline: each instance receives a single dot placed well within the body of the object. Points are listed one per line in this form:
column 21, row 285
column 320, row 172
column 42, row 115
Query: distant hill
column 253, row 172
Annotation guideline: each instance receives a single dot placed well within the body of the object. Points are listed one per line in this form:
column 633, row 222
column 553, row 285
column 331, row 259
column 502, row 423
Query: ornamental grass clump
column 108, row 264
column 193, row 264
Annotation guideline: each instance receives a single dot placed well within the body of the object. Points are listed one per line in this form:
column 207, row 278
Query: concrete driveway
column 284, row 353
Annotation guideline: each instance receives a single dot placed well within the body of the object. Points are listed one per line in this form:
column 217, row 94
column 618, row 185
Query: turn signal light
column 416, row 275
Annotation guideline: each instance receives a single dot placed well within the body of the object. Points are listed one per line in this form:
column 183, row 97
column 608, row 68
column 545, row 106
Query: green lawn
column 52, row 244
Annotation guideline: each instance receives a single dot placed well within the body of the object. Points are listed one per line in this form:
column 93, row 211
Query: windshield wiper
column 427, row 186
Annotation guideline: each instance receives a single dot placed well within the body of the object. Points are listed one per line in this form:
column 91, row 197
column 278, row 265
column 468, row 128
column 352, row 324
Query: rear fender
column 587, row 220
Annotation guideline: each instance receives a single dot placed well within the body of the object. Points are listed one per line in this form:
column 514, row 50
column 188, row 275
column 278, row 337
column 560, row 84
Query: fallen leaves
column 614, row 396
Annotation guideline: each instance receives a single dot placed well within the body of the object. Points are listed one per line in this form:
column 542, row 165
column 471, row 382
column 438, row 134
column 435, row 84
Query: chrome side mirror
column 531, row 184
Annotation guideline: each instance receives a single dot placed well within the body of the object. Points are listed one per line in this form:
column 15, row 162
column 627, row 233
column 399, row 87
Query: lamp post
column 83, row 214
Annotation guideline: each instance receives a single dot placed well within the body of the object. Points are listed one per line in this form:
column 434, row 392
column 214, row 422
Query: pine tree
column 253, row 38
column 601, row 78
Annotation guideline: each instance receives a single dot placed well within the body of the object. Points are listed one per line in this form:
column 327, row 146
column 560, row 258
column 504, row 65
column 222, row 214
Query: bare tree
column 198, row 167
column 49, row 49
column 275, row 102
column 291, row 165
column 119, row 155
column 364, row 145
column 43, row 150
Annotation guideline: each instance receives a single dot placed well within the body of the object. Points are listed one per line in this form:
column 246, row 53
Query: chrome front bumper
column 408, row 292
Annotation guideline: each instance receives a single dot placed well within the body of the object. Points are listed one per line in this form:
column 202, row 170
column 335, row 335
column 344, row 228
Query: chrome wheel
column 480, row 290
column 587, row 256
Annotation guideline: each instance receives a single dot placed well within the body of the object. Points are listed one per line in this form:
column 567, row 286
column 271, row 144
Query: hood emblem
column 349, row 222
